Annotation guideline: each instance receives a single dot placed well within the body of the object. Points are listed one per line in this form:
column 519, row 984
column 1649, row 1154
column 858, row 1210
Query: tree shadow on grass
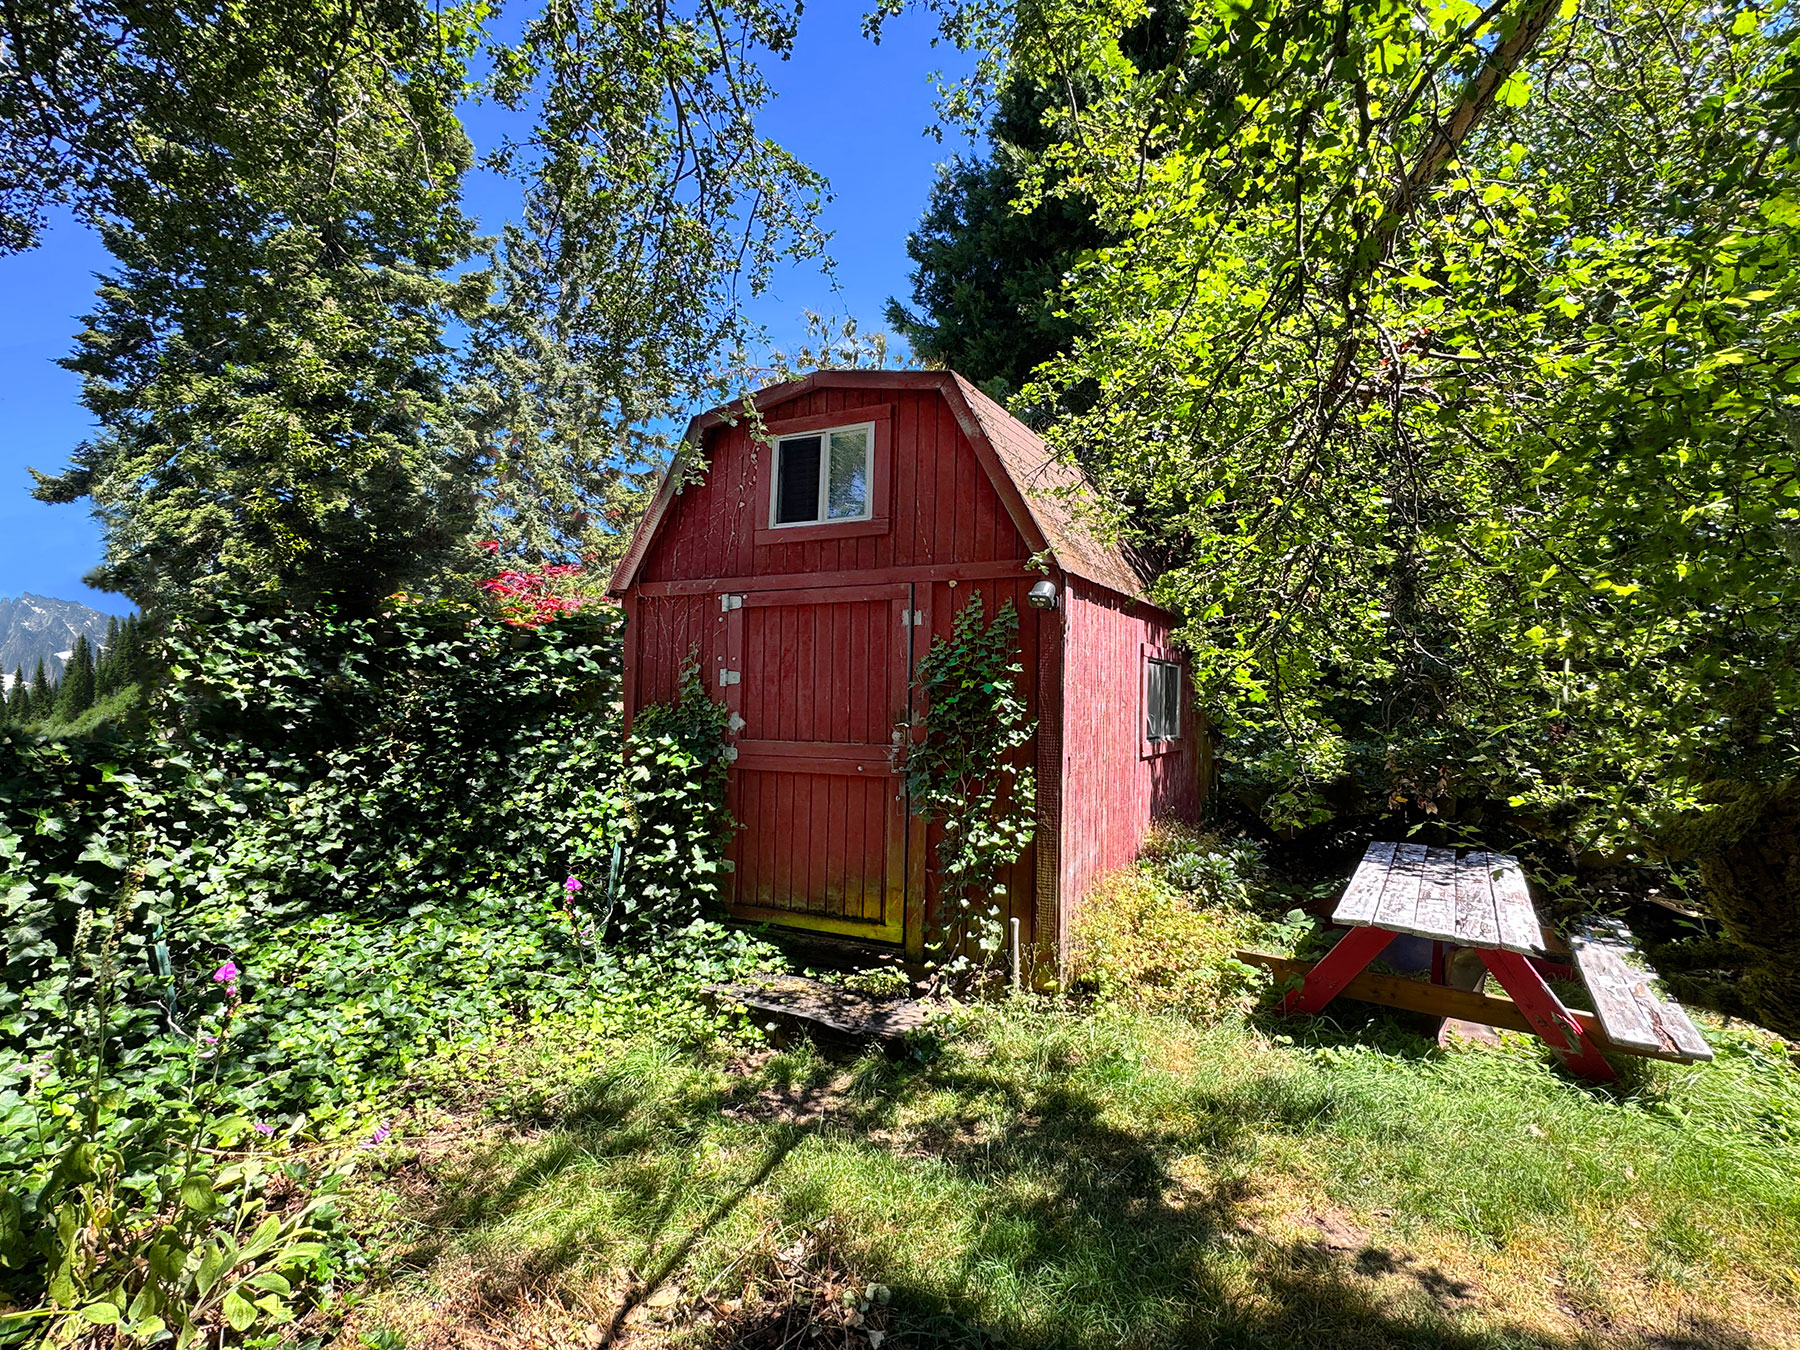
column 1093, row 1229
column 1098, row 1234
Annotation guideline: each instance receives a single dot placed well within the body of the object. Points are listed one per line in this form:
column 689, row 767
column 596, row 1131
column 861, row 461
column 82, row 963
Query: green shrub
column 1140, row 943
column 372, row 824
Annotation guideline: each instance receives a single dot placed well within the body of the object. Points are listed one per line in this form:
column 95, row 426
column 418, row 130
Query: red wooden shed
column 807, row 565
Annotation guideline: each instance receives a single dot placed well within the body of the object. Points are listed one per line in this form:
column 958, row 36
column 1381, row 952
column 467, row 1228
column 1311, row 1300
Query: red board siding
column 819, row 837
column 1111, row 794
column 667, row 632
column 944, row 508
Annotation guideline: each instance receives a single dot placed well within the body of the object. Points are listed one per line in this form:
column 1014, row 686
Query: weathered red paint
column 824, row 653
column 1112, row 792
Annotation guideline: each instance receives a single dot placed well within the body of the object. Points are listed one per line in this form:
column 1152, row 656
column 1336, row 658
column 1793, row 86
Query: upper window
column 1162, row 701
column 823, row 476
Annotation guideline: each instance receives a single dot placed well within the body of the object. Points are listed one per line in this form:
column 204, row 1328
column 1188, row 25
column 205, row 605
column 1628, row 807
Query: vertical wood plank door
column 821, row 682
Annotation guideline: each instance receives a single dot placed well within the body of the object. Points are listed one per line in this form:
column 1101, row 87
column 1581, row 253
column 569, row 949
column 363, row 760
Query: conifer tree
column 43, row 693
column 106, row 669
column 75, row 694
column 134, row 652
column 18, row 697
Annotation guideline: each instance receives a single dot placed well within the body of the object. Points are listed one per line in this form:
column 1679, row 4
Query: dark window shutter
column 797, row 480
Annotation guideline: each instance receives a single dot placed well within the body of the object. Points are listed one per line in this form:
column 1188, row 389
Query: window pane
column 848, row 496
column 1162, row 699
column 797, row 480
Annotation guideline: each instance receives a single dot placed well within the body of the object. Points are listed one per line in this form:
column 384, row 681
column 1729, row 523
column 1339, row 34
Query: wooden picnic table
column 1481, row 902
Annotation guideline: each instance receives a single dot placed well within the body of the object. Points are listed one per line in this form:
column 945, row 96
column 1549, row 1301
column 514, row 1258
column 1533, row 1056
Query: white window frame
column 825, row 434
column 1175, row 668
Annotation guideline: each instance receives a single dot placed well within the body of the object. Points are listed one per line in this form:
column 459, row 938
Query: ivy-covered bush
column 673, row 844
column 335, row 848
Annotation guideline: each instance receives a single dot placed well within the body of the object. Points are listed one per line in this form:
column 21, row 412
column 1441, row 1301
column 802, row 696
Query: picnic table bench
column 1481, row 902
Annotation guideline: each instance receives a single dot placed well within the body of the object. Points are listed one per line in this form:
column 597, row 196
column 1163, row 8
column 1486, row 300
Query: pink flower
column 572, row 885
column 261, row 1128
column 226, row 973
column 380, row 1136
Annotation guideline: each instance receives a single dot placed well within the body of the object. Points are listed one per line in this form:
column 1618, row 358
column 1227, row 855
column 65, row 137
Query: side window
column 1162, row 701
column 823, row 476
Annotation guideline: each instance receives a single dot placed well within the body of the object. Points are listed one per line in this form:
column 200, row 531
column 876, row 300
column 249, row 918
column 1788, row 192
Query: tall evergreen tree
column 108, row 669
column 997, row 238
column 267, row 359
column 18, row 697
column 986, row 275
column 43, row 693
column 75, row 693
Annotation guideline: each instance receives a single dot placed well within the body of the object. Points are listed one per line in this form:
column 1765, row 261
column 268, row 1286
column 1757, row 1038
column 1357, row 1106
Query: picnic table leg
column 1342, row 964
column 1544, row 1010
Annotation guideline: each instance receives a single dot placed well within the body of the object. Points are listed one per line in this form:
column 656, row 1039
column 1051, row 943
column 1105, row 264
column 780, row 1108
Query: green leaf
column 239, row 1311
column 101, row 1314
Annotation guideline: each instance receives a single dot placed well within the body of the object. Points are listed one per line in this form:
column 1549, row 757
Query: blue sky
column 853, row 110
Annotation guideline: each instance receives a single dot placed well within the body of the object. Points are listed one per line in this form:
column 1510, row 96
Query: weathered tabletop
column 1477, row 901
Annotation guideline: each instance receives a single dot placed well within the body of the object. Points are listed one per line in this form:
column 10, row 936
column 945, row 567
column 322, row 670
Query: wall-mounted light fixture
column 1043, row 595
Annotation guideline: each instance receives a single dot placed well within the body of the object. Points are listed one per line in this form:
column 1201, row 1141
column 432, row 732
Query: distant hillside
column 33, row 626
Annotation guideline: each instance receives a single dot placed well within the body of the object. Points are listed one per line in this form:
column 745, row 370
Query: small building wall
column 1111, row 792
column 966, row 501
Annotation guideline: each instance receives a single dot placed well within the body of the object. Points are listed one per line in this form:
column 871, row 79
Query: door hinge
column 911, row 618
column 729, row 677
column 727, row 603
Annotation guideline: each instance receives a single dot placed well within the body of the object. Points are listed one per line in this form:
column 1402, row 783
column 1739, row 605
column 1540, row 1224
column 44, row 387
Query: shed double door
column 818, row 679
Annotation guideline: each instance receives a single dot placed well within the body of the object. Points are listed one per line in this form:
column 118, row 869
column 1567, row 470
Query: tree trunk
column 1752, row 885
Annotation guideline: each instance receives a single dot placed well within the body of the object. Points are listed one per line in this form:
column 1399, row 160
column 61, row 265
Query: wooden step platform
column 1626, row 995
column 827, row 1010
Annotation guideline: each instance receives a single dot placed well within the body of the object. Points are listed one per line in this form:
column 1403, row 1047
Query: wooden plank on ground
column 1674, row 1022
column 1364, row 891
column 1475, row 922
column 1400, row 897
column 1631, row 1007
column 1513, row 911
column 1437, row 1000
column 1601, row 961
column 1435, row 916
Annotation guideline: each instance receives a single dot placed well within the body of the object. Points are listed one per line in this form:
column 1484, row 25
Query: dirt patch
column 1336, row 1233
column 783, row 1103
column 799, row 1104
column 804, row 1295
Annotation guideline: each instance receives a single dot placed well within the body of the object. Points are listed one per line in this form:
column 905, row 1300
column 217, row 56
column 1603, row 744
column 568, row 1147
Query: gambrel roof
column 1043, row 494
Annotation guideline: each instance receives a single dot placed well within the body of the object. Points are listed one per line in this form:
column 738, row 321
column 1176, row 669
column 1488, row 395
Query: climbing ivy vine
column 965, row 771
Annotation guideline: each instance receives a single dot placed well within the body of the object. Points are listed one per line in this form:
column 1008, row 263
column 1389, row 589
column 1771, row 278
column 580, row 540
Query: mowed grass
column 1061, row 1178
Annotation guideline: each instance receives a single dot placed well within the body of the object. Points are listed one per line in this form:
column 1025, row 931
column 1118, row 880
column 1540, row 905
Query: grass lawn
column 1065, row 1177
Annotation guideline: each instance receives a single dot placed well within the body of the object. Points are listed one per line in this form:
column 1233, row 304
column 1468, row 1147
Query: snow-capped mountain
column 33, row 626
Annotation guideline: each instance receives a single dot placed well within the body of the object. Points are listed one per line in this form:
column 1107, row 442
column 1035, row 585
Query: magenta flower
column 226, row 973
column 380, row 1136
column 261, row 1128
column 572, row 885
